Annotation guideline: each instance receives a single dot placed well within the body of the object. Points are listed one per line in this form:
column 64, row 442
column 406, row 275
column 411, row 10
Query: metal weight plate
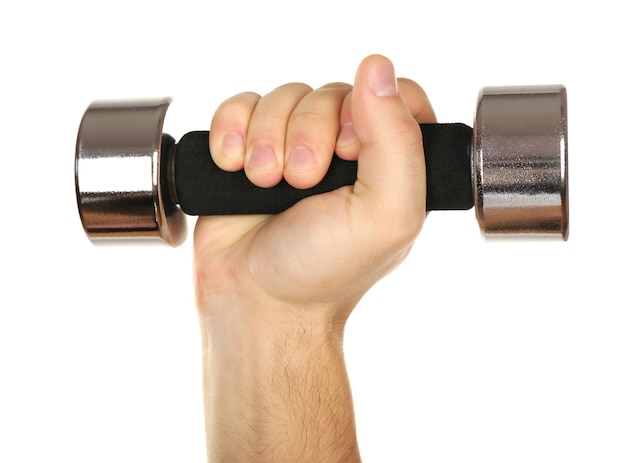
column 118, row 173
column 520, row 160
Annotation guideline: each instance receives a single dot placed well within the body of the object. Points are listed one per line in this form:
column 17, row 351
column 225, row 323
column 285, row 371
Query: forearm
column 276, row 389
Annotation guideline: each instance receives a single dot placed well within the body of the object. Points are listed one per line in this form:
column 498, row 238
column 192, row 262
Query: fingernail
column 233, row 145
column 262, row 157
column 301, row 158
column 347, row 135
column 381, row 78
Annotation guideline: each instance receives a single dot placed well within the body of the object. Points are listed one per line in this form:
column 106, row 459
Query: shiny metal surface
column 118, row 173
column 520, row 160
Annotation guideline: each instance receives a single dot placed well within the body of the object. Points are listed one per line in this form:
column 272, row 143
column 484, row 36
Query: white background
column 474, row 350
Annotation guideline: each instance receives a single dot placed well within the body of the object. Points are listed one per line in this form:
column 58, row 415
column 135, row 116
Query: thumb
column 391, row 169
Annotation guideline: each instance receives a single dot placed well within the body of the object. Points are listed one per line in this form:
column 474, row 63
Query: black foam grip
column 202, row 188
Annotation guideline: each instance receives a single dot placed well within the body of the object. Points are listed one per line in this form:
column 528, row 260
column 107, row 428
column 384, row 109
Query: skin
column 274, row 292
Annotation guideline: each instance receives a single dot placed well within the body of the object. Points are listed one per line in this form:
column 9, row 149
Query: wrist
column 278, row 383
column 255, row 327
column 238, row 303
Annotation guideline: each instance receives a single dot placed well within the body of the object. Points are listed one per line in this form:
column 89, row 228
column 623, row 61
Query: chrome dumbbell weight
column 132, row 180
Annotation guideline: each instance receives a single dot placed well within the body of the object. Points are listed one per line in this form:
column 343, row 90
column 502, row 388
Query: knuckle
column 240, row 102
column 335, row 86
column 411, row 84
column 298, row 87
column 307, row 117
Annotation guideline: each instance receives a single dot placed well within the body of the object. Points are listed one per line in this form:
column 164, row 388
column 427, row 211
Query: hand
column 274, row 292
column 327, row 250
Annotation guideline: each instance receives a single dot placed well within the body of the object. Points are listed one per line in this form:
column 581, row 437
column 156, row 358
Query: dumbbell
column 133, row 180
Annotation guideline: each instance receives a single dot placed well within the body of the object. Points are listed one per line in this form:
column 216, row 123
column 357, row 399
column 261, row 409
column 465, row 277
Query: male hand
column 274, row 292
column 327, row 250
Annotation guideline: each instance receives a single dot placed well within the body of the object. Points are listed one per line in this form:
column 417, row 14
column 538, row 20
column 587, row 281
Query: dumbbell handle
column 202, row 188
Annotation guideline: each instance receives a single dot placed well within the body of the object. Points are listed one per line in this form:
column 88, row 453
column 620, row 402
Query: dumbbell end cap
column 120, row 175
column 520, row 161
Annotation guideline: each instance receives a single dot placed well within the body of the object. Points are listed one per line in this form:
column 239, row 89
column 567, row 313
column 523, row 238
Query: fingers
column 248, row 131
column 312, row 135
column 290, row 132
column 293, row 131
column 265, row 154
